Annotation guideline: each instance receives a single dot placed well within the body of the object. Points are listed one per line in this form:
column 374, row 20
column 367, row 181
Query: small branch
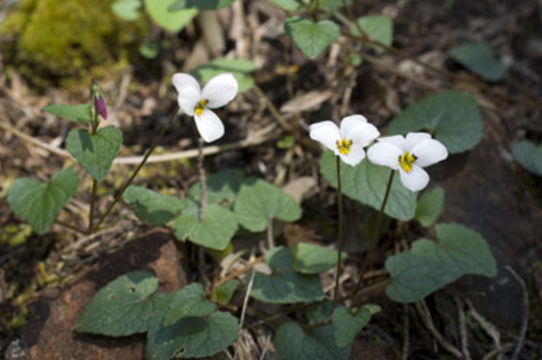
column 488, row 327
column 243, row 311
column 270, row 235
column 428, row 322
column 242, row 271
column 406, row 334
column 71, row 227
column 462, row 328
column 272, row 109
column 525, row 306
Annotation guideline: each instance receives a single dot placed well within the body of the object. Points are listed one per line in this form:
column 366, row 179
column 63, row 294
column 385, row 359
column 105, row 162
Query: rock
column 49, row 332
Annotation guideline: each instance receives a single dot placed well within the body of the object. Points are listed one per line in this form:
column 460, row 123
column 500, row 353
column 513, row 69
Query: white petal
column 413, row 139
column 354, row 156
column 416, row 179
column 325, row 132
column 385, row 154
column 429, row 152
column 357, row 129
column 188, row 98
column 182, row 80
column 220, row 90
column 397, row 140
column 209, row 125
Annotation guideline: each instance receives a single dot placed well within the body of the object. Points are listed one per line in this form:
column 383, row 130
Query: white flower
column 196, row 102
column 348, row 141
column 408, row 155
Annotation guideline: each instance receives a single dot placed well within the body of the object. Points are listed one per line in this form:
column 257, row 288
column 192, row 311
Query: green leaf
column 152, row 208
column 480, row 59
column 149, row 49
column 319, row 312
column 222, row 188
column 366, row 183
column 188, row 302
column 377, row 27
column 332, row 5
column 126, row 9
column 288, row 5
column 314, row 259
column 453, row 117
column 347, row 324
column 429, row 266
column 223, row 293
column 192, row 337
column 292, row 342
column 159, row 11
column 240, row 68
column 199, row 4
column 529, row 156
column 259, row 200
column 122, row 307
column 214, row 232
column 311, row 37
column 95, row 152
column 39, row 203
column 78, row 113
column 430, row 206
column 285, row 285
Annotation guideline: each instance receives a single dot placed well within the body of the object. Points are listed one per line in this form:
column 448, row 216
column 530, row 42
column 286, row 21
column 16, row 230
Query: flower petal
column 397, row 140
column 354, row 156
column 325, row 132
column 385, row 154
column 220, row 90
column 414, row 138
column 188, row 98
column 182, row 80
column 416, row 179
column 357, row 129
column 429, row 152
column 209, row 125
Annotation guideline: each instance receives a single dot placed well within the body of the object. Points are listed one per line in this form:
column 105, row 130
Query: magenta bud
column 99, row 105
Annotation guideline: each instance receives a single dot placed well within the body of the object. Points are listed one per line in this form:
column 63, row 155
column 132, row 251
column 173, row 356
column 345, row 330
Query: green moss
column 66, row 42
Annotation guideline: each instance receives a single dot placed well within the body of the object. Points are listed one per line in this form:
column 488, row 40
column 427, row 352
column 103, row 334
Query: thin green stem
column 92, row 205
column 340, row 229
column 136, row 171
column 203, row 179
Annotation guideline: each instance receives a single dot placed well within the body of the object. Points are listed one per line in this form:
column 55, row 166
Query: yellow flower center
column 343, row 145
column 406, row 160
column 200, row 106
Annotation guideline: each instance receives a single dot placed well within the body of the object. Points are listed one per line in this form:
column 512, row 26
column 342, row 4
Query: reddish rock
column 49, row 332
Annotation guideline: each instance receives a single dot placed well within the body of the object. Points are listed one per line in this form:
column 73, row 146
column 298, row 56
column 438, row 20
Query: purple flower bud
column 99, row 105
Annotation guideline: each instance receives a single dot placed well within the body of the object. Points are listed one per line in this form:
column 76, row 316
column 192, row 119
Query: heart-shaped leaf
column 78, row 113
column 430, row 206
column 285, row 285
column 292, row 342
column 223, row 293
column 240, row 68
column 214, row 232
column 152, row 208
column 95, row 152
column 377, row 27
column 311, row 37
column 529, row 156
column 126, row 9
column 453, row 117
column 222, row 188
column 429, row 266
column 366, row 183
column 172, row 21
column 258, row 201
column 188, row 302
column 347, row 324
column 288, row 5
column 39, row 203
column 121, row 308
column 314, row 259
column 480, row 59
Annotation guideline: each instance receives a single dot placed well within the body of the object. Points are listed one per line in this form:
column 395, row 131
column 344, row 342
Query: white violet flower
column 196, row 102
column 408, row 155
column 347, row 142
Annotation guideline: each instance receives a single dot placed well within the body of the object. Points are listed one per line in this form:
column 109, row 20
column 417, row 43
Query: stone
column 49, row 332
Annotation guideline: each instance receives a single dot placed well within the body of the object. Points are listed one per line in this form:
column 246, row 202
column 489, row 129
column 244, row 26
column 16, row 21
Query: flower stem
column 340, row 229
column 92, row 204
column 203, row 180
column 136, row 171
column 270, row 235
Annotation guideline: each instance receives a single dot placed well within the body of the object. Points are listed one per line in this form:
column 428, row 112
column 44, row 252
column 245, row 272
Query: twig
column 462, row 328
column 272, row 109
column 270, row 235
column 499, row 352
column 488, row 327
column 243, row 311
column 92, row 204
column 71, row 227
column 525, row 306
column 406, row 334
column 242, row 271
column 428, row 322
